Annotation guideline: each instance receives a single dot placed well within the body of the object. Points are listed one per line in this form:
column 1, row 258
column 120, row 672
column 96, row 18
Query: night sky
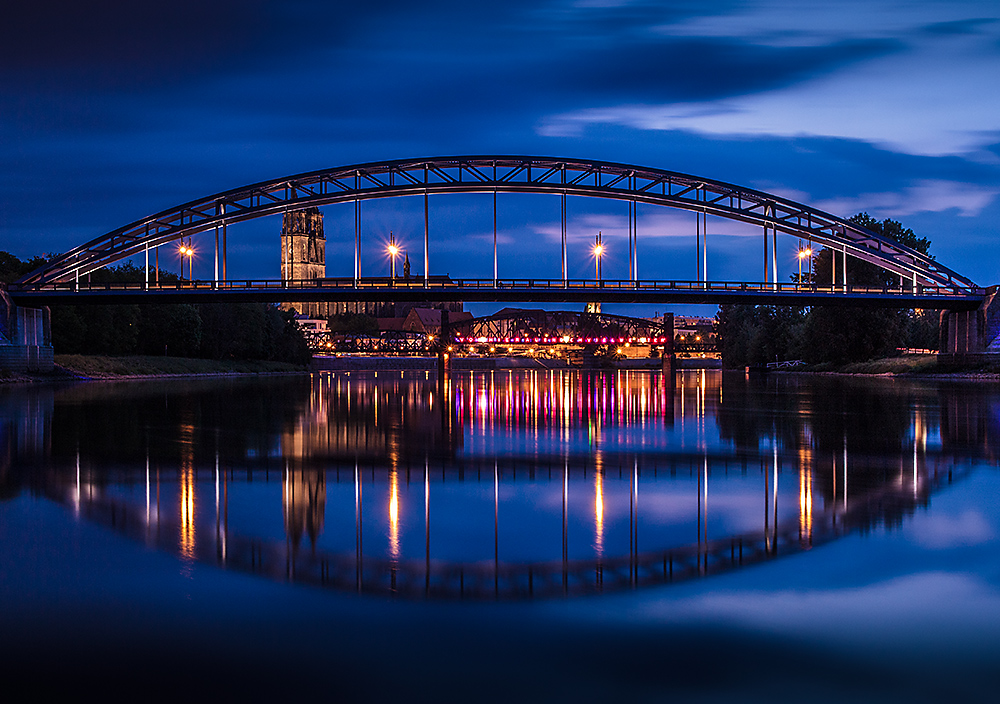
column 110, row 111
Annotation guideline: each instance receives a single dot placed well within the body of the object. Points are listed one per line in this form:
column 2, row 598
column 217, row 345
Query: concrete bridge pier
column 444, row 343
column 25, row 337
column 972, row 336
column 668, row 360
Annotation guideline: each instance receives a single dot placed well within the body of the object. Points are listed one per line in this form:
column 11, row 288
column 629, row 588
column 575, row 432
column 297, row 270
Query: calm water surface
column 534, row 535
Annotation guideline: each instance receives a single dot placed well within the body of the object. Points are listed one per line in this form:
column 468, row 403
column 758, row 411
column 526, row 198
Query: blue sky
column 110, row 111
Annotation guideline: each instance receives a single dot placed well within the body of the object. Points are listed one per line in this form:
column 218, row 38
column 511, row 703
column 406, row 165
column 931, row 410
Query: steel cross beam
column 496, row 174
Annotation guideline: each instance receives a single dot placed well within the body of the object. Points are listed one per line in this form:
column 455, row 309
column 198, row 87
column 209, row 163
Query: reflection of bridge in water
column 336, row 450
column 304, row 495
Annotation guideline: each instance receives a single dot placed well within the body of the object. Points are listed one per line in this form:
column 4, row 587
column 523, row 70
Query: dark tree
column 846, row 334
column 752, row 335
column 756, row 335
column 218, row 330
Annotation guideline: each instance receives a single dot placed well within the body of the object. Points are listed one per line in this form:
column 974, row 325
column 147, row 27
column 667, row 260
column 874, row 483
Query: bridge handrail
column 489, row 283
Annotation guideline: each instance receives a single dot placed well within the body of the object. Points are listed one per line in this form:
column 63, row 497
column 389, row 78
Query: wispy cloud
column 931, row 99
column 925, row 196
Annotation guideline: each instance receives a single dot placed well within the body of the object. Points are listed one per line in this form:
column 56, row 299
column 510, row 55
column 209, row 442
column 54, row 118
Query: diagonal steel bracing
column 501, row 174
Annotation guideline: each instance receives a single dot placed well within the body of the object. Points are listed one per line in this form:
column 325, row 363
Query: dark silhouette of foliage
column 752, row 335
column 214, row 330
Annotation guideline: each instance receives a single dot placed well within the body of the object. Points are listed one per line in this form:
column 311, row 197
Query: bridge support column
column 969, row 336
column 668, row 360
column 444, row 343
column 25, row 337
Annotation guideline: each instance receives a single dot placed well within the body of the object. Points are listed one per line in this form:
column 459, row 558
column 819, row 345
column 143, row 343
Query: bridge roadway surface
column 384, row 289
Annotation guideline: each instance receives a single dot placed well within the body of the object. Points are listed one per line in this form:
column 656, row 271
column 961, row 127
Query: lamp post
column 185, row 250
column 803, row 253
column 393, row 250
column 598, row 253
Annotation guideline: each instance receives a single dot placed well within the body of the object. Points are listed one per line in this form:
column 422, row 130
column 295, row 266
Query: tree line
column 206, row 330
column 755, row 335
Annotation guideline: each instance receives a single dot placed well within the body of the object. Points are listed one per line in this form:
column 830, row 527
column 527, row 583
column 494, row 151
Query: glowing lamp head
column 393, row 250
column 598, row 250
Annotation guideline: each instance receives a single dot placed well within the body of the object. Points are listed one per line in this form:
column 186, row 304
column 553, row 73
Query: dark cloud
column 696, row 69
column 969, row 26
column 127, row 45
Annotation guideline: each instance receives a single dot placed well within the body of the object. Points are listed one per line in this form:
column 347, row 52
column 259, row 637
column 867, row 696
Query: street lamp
column 803, row 254
column 393, row 250
column 598, row 253
column 186, row 251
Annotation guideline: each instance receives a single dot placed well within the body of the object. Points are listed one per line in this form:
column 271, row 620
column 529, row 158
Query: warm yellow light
column 803, row 253
column 394, row 515
column 599, row 512
column 598, row 250
column 393, row 250
column 187, row 506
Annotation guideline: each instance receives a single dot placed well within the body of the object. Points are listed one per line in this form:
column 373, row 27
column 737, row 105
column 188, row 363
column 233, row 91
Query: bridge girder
column 499, row 174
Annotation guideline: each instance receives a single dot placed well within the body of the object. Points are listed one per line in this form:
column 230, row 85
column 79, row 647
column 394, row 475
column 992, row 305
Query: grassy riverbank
column 105, row 367
column 907, row 365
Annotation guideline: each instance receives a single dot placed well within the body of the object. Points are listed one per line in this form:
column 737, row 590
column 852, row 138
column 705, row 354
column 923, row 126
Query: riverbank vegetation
column 216, row 331
column 832, row 335
column 103, row 366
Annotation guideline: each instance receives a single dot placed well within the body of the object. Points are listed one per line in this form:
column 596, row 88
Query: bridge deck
column 490, row 290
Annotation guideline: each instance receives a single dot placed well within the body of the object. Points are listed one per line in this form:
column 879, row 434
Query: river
column 503, row 536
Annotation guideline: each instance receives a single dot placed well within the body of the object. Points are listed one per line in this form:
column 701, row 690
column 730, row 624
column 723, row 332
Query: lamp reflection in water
column 805, row 506
column 394, row 515
column 187, row 505
column 599, row 513
column 187, row 494
column 805, row 458
column 599, row 524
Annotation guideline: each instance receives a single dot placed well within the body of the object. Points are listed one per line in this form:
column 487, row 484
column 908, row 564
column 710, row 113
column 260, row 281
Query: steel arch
column 500, row 174
column 547, row 327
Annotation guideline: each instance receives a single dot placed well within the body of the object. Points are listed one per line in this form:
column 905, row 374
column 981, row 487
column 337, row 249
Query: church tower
column 303, row 253
column 303, row 245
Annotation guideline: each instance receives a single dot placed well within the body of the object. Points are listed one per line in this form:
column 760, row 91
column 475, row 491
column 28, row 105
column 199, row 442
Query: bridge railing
column 445, row 283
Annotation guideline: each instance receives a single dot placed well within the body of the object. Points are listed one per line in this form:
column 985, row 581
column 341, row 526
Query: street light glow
column 598, row 252
column 393, row 251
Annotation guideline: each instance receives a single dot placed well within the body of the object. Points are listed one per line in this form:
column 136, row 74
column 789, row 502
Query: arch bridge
column 924, row 282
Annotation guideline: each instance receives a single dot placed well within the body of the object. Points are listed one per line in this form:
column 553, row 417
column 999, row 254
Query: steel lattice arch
column 503, row 174
column 554, row 327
